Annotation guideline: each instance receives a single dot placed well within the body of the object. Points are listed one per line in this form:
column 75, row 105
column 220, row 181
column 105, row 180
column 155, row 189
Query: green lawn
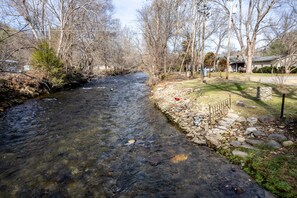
column 216, row 89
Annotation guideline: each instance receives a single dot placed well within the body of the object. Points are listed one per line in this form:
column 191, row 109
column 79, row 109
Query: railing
column 219, row 110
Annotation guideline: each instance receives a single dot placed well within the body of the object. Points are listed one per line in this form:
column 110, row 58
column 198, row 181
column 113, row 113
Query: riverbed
column 107, row 139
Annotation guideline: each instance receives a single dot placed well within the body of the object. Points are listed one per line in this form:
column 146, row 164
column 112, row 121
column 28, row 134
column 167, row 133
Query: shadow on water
column 76, row 144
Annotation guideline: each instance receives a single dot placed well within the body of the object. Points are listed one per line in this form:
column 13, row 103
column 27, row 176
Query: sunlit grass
column 216, row 90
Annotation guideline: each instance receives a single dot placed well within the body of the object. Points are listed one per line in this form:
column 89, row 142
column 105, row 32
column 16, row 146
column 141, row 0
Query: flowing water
column 76, row 144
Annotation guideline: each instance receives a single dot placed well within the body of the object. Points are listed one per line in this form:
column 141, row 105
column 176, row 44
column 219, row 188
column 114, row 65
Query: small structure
column 264, row 93
column 218, row 110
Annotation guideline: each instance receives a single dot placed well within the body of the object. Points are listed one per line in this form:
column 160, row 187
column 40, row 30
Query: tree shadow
column 244, row 94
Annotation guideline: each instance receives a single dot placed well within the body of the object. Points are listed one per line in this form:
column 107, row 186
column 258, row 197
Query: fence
column 219, row 110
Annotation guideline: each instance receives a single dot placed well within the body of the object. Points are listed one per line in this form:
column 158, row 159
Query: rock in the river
column 274, row 144
column 252, row 120
column 250, row 130
column 179, row 158
column 239, row 153
column 287, row 143
column 277, row 137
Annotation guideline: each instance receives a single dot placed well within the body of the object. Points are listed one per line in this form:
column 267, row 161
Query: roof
column 234, row 59
column 265, row 58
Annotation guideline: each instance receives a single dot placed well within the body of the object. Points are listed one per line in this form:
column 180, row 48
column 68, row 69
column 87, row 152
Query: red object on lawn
column 177, row 99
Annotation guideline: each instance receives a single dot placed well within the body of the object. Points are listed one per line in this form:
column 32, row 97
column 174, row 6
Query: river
column 80, row 143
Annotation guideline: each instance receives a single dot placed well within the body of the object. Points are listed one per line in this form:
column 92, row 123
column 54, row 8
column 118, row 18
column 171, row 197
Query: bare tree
column 159, row 21
column 249, row 23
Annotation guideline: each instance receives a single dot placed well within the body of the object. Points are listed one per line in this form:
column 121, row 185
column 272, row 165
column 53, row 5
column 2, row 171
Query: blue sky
column 126, row 11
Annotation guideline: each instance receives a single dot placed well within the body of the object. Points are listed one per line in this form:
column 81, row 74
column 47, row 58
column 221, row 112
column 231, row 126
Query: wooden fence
column 219, row 110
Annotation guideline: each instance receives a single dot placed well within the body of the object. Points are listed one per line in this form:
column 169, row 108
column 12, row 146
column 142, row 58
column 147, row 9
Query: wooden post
column 283, row 106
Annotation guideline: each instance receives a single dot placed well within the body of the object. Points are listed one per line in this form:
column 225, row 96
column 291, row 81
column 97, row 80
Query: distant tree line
column 76, row 35
column 178, row 33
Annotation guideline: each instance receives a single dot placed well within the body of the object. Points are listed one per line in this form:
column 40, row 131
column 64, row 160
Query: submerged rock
column 179, row 158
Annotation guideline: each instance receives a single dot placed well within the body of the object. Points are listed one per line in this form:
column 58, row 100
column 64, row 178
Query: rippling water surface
column 76, row 144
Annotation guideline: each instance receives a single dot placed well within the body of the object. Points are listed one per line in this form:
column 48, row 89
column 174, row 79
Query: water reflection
column 75, row 143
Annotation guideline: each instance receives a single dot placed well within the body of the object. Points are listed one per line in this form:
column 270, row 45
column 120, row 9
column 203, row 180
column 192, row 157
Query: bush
column 44, row 57
column 266, row 69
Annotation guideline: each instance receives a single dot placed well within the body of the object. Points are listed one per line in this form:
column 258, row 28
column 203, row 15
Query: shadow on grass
column 239, row 89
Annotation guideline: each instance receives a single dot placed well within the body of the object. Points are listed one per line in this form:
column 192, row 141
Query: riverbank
column 16, row 88
column 249, row 135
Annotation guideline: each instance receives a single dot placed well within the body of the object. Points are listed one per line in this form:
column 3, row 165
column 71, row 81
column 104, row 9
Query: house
column 237, row 63
column 264, row 61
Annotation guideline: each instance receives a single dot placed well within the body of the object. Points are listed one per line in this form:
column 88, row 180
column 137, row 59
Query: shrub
column 266, row 69
column 44, row 57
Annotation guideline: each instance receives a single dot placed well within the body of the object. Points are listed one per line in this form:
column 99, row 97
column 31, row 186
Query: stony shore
column 233, row 132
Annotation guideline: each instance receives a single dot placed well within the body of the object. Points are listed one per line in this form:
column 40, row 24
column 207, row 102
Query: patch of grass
column 274, row 170
column 216, row 90
column 277, row 172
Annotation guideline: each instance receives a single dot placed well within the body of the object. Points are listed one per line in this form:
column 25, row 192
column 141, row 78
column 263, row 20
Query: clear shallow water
column 74, row 144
